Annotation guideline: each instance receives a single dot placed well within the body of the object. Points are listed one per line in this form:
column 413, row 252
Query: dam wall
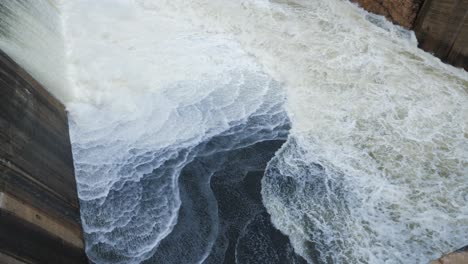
column 442, row 29
column 459, row 256
column 39, row 206
column 441, row 26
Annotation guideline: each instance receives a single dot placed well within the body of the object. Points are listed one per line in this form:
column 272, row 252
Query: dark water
column 222, row 218
column 232, row 216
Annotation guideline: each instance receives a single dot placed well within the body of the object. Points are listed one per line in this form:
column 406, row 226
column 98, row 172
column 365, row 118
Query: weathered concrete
column 458, row 257
column 442, row 29
column 39, row 206
column 5, row 259
column 441, row 26
column 36, row 217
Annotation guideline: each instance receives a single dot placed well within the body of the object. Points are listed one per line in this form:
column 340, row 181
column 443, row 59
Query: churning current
column 261, row 131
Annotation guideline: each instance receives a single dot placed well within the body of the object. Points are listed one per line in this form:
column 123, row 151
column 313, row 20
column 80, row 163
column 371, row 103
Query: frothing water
column 31, row 33
column 178, row 114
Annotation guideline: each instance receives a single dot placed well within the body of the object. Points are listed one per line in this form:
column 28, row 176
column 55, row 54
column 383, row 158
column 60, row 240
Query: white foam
column 31, row 34
column 386, row 121
column 147, row 89
column 369, row 105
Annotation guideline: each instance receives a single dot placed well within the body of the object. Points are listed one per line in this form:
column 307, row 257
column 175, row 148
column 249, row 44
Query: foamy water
column 375, row 167
column 31, row 34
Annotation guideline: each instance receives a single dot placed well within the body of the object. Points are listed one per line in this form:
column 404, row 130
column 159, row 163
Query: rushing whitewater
column 31, row 34
column 178, row 114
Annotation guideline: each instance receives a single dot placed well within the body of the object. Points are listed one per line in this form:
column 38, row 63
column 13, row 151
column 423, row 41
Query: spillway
column 256, row 131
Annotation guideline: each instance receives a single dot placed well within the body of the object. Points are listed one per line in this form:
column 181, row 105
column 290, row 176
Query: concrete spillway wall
column 442, row 29
column 441, row 26
column 458, row 257
column 39, row 206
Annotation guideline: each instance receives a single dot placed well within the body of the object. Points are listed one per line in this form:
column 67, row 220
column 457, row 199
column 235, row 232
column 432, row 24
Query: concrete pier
column 39, row 206
column 441, row 26
column 457, row 257
column 442, row 29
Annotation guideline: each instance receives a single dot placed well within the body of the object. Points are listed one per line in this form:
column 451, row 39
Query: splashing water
column 375, row 166
column 31, row 34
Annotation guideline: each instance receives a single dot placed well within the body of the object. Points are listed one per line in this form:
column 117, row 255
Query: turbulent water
column 31, row 33
column 178, row 114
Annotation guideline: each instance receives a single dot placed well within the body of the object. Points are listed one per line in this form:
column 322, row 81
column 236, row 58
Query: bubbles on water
column 375, row 168
column 128, row 180
column 387, row 118
column 134, row 126
column 131, row 145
